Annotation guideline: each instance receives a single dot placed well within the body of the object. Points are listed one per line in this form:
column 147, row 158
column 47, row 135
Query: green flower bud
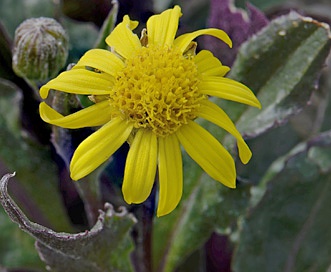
column 40, row 48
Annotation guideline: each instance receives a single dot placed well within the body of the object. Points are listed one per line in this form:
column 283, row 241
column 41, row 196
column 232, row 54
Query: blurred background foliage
column 278, row 218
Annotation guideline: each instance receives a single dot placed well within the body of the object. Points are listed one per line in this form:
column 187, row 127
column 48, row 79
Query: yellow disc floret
column 157, row 89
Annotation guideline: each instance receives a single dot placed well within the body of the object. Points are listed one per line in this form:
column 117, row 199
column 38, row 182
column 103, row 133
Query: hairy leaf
column 289, row 229
column 206, row 206
column 271, row 63
column 281, row 64
column 106, row 247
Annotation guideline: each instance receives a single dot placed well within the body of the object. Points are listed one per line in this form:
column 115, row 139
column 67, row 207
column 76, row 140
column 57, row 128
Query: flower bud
column 40, row 48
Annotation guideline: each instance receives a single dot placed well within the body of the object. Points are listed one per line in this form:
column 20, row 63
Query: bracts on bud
column 40, row 48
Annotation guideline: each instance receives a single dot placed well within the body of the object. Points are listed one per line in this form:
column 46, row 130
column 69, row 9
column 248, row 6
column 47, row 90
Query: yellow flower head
column 148, row 92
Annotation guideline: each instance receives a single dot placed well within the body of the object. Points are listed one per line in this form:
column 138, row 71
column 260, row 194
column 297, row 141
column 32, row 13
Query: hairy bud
column 40, row 48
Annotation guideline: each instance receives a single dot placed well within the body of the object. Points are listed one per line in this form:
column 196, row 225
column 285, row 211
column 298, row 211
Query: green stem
column 88, row 189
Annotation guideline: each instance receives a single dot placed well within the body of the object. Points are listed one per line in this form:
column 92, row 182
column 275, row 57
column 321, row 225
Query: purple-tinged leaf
column 238, row 24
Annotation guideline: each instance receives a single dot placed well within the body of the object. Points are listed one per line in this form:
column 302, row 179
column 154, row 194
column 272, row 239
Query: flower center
column 158, row 89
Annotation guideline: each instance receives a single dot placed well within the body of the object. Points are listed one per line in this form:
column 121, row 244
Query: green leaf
column 281, row 64
column 302, row 109
column 106, row 247
column 107, row 27
column 326, row 125
column 289, row 229
column 36, row 172
column 206, row 206
column 272, row 65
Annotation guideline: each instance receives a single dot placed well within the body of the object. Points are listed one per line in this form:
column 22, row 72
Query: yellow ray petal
column 213, row 158
column 123, row 40
column 229, row 89
column 78, row 81
column 102, row 60
column 98, row 147
column 170, row 174
column 162, row 28
column 140, row 167
column 208, row 65
column 216, row 115
column 184, row 40
column 95, row 115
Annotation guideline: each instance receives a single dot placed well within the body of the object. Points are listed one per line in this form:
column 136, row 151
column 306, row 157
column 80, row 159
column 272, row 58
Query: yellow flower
column 148, row 92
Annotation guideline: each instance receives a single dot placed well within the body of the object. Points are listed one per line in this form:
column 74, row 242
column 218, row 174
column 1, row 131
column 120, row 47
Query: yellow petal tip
column 163, row 212
column 43, row 92
column 74, row 177
column 258, row 104
column 232, row 186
